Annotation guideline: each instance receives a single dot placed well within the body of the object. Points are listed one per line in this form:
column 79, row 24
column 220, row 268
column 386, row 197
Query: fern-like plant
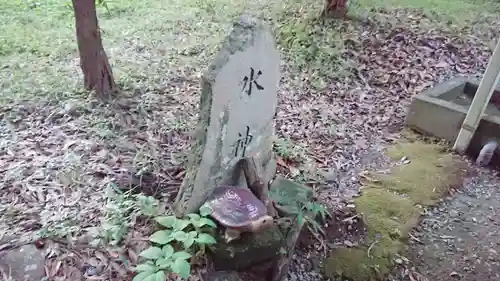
column 173, row 246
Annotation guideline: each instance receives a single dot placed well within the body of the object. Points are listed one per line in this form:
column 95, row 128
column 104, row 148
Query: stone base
column 248, row 250
column 264, row 256
column 221, row 276
column 441, row 110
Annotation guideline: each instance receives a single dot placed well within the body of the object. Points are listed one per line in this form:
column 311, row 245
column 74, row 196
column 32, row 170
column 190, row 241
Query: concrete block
column 441, row 110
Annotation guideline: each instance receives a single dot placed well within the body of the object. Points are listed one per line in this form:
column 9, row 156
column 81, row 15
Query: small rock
column 26, row 262
column 398, row 261
column 91, row 271
column 453, row 213
column 330, row 175
column 348, row 243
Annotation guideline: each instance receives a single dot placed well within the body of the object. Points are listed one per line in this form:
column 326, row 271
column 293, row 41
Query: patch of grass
column 391, row 205
column 60, row 229
column 145, row 40
column 314, row 46
column 121, row 211
column 346, row 260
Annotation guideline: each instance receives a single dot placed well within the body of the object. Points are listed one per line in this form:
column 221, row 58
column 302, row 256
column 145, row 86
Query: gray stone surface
column 24, row 263
column 441, row 110
column 249, row 250
column 432, row 112
column 237, row 108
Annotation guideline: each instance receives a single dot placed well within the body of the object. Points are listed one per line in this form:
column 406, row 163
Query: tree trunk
column 97, row 72
column 335, row 8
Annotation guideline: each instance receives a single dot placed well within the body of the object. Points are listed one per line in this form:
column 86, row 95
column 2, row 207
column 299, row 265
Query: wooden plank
column 479, row 102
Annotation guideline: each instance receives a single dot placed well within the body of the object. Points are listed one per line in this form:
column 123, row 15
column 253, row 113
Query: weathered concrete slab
column 237, row 108
column 432, row 112
column 440, row 112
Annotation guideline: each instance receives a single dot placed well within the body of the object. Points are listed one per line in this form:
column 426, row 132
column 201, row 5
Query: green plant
column 59, row 229
column 174, row 245
column 120, row 209
column 296, row 200
column 309, row 214
column 103, row 3
column 287, row 149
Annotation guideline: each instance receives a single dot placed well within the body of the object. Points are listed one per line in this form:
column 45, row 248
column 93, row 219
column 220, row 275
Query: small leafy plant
column 173, row 246
column 309, row 213
column 300, row 204
column 120, row 209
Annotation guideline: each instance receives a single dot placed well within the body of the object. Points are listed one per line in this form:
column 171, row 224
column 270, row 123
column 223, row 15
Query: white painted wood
column 479, row 102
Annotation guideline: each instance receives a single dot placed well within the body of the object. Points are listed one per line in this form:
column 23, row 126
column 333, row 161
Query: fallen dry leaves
column 55, row 160
column 396, row 55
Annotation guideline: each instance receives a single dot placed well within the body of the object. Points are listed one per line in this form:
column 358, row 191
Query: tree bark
column 97, row 72
column 335, row 8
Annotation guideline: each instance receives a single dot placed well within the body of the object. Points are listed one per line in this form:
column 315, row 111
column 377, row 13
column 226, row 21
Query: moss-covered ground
column 391, row 204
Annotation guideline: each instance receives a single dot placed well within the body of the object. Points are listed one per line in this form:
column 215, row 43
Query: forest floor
column 343, row 97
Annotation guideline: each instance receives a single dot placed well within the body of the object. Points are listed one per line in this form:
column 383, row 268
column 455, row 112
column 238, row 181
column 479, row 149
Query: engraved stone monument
column 237, row 107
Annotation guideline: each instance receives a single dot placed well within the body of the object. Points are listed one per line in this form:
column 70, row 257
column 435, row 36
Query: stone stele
column 237, row 108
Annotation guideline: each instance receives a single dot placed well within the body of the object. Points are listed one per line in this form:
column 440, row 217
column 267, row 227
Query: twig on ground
column 370, row 248
column 415, row 238
column 321, row 241
column 351, row 217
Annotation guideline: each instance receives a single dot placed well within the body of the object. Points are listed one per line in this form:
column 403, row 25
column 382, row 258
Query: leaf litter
column 57, row 159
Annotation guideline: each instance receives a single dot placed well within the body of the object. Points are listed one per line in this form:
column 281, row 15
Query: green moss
column 427, row 177
column 391, row 205
column 344, row 262
column 387, row 214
